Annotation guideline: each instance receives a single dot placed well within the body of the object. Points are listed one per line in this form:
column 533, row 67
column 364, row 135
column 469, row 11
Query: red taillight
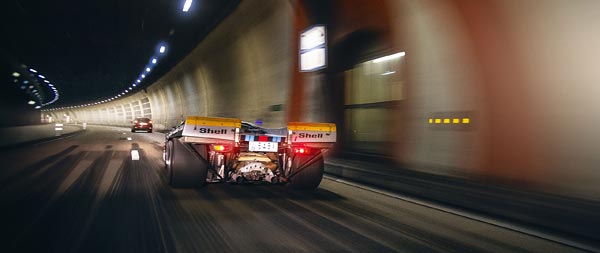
column 221, row 148
column 150, row 122
column 302, row 150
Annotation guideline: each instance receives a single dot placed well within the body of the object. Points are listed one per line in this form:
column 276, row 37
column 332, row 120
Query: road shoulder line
column 462, row 213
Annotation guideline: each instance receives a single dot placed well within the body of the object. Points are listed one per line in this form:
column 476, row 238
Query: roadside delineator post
column 84, row 125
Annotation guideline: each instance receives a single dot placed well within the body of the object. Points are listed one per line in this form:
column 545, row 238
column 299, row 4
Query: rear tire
column 185, row 168
column 150, row 131
column 309, row 177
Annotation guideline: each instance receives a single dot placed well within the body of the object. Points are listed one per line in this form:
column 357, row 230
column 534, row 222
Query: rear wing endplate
column 211, row 129
column 313, row 134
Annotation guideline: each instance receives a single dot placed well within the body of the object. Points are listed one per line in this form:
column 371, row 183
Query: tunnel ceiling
column 93, row 50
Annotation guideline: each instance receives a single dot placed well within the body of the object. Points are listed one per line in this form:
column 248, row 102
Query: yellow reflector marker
column 451, row 120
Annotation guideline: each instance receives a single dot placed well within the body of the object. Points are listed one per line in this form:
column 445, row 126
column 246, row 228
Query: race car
column 207, row 150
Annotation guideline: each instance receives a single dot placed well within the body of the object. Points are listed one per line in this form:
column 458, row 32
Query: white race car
column 206, row 149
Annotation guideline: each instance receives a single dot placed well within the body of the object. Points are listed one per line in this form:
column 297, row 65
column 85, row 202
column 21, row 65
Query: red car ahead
column 142, row 124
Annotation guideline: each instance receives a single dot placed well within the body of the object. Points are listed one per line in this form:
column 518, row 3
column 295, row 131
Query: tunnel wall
column 540, row 69
column 239, row 70
column 524, row 73
column 443, row 81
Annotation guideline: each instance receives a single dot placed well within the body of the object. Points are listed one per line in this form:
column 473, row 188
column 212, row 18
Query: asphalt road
column 86, row 194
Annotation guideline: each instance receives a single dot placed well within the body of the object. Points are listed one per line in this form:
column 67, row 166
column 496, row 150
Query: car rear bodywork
column 144, row 124
column 205, row 149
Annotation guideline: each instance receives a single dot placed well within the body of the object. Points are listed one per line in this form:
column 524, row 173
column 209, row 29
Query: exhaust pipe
column 272, row 179
column 238, row 178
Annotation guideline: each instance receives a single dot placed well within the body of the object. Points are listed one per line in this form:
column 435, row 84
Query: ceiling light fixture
column 187, row 5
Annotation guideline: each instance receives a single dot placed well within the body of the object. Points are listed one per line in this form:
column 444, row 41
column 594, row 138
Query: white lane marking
column 494, row 222
column 135, row 155
column 129, row 138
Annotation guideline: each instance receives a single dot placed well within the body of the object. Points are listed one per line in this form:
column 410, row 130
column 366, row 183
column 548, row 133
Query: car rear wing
column 211, row 130
column 317, row 135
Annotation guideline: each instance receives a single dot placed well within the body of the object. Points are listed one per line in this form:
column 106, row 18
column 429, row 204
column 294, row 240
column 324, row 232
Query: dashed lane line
column 135, row 155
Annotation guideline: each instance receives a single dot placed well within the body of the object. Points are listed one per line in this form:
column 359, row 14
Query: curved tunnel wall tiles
column 226, row 75
column 245, row 66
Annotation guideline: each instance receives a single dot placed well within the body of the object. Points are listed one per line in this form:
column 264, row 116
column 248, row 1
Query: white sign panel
column 313, row 49
column 312, row 38
column 313, row 59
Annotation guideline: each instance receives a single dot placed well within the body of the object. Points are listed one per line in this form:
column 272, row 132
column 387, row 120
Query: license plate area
column 263, row 146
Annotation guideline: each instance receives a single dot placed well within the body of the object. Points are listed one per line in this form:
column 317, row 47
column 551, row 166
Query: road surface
column 88, row 194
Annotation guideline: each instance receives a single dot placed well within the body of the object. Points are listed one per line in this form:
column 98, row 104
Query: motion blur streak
column 519, row 74
column 94, row 198
column 538, row 66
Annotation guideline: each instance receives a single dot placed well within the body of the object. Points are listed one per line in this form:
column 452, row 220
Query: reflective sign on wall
column 313, row 49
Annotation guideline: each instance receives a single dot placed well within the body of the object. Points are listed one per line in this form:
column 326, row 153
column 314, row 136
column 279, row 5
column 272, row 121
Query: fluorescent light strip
column 389, row 57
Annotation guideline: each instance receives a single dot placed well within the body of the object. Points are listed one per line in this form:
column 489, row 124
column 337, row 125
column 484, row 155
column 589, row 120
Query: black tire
column 185, row 168
column 133, row 130
column 150, row 131
column 306, row 177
